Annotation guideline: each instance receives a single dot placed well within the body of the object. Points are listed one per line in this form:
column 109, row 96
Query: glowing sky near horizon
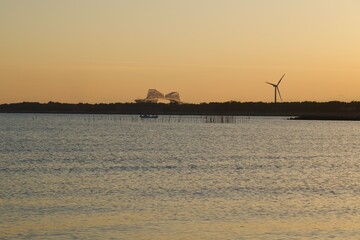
column 207, row 50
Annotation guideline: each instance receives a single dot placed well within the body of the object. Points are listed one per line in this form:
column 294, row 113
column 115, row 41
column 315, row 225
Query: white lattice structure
column 154, row 96
column 153, row 93
column 173, row 96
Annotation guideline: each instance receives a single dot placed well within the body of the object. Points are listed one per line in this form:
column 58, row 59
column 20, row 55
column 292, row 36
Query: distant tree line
column 333, row 108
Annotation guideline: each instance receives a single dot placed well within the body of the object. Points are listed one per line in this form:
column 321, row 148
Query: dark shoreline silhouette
column 326, row 118
column 297, row 110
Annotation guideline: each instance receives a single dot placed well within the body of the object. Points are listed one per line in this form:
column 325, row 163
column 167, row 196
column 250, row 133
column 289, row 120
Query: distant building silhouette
column 154, row 96
column 173, row 96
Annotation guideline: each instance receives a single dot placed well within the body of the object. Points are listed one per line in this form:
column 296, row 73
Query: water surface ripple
column 117, row 177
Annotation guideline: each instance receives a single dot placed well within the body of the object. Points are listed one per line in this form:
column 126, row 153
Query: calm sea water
column 117, row 177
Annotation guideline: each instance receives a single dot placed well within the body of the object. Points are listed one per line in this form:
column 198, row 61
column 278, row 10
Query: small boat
column 148, row 116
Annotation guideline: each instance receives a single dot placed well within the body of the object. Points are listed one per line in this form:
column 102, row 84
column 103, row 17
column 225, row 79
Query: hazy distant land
column 300, row 110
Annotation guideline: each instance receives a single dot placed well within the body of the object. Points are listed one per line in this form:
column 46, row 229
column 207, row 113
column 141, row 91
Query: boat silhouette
column 148, row 116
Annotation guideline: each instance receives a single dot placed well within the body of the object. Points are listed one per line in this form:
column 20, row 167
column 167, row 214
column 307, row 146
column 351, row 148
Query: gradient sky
column 207, row 50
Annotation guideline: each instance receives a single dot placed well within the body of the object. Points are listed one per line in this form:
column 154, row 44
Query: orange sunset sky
column 207, row 50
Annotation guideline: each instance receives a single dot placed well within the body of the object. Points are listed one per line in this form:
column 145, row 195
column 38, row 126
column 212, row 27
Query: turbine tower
column 276, row 88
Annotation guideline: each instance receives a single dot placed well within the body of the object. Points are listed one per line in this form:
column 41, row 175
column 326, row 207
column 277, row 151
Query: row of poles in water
column 176, row 118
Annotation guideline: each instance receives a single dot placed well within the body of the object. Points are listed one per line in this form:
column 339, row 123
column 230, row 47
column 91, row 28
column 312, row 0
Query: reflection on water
column 107, row 176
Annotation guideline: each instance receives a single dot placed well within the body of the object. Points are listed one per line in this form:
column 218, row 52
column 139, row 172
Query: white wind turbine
column 276, row 88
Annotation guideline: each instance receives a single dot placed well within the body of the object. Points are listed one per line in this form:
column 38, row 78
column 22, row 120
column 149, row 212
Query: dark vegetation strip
column 307, row 110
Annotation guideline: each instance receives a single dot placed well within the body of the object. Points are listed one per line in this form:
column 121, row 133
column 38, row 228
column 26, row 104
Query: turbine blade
column 280, row 80
column 271, row 84
column 279, row 93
